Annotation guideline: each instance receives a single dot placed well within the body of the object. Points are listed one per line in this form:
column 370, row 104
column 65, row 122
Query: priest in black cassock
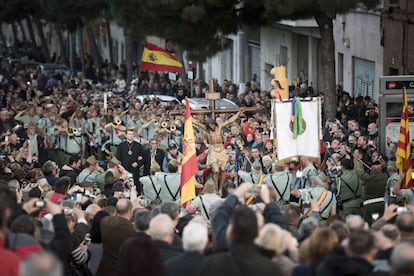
column 130, row 153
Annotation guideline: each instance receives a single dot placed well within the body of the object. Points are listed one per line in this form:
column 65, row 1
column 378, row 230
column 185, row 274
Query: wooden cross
column 213, row 96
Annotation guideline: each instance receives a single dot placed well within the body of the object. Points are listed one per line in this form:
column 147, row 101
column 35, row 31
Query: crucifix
column 217, row 155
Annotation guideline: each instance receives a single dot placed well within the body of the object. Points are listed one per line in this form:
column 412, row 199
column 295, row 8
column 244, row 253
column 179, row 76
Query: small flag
column 189, row 162
column 297, row 117
column 403, row 162
column 155, row 58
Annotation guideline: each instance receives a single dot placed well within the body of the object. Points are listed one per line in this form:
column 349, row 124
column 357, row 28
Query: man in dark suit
column 244, row 258
column 130, row 153
column 115, row 230
column 153, row 154
column 195, row 238
column 161, row 230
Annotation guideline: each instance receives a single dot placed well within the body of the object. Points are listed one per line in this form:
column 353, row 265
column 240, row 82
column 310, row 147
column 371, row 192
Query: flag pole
column 403, row 162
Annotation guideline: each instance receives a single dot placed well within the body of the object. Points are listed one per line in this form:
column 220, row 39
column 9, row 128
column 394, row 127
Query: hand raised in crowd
column 314, row 206
column 79, row 213
column 265, row 194
column 242, row 191
column 390, row 211
column 30, row 206
column 74, row 189
column 397, row 187
column 53, row 208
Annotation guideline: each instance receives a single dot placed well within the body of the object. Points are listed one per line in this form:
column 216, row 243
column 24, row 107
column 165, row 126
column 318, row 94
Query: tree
column 72, row 15
column 200, row 27
column 324, row 11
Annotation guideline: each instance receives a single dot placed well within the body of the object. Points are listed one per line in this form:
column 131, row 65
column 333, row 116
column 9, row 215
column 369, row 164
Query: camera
column 143, row 202
column 87, row 239
column 131, row 180
column 306, row 204
column 67, row 211
column 32, row 185
column 402, row 210
column 253, row 207
column 40, row 204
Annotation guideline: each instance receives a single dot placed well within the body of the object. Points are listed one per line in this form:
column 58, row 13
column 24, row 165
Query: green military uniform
column 204, row 202
column 250, row 177
column 392, row 180
column 282, row 183
column 74, row 144
column 326, row 200
column 373, row 193
column 348, row 190
column 87, row 176
column 151, row 189
column 308, row 173
column 408, row 194
column 170, row 186
column 26, row 119
column 45, row 124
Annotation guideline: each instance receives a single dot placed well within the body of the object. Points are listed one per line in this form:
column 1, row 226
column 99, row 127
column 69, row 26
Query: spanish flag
column 155, row 58
column 403, row 149
column 189, row 162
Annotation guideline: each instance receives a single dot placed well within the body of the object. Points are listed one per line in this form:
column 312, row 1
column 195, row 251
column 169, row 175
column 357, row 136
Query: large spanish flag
column 403, row 149
column 155, row 58
column 189, row 162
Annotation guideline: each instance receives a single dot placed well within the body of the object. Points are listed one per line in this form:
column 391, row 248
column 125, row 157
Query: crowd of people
column 90, row 183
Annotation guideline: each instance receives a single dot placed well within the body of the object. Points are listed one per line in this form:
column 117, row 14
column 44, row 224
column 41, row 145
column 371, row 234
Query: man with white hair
column 195, row 238
column 91, row 211
column 161, row 230
column 402, row 259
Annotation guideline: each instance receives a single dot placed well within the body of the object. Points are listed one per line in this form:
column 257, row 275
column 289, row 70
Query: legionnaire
column 91, row 129
column 114, row 166
column 170, row 183
column 389, row 196
column 116, row 134
column 151, row 187
column 324, row 198
column 111, row 166
column 90, row 171
column 282, row 182
column 308, row 173
column 255, row 177
column 373, row 192
column 74, row 142
column 202, row 203
column 407, row 194
column 348, row 190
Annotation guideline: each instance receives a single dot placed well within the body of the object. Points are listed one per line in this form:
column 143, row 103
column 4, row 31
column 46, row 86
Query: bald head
column 91, row 210
column 402, row 259
column 123, row 206
column 355, row 222
column 162, row 228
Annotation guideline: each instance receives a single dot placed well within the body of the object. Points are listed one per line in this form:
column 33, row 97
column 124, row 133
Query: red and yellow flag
column 403, row 149
column 189, row 162
column 155, row 58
